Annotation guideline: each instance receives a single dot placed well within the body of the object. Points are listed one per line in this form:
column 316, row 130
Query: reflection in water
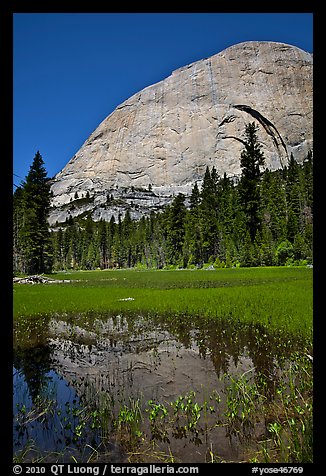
column 127, row 358
column 35, row 415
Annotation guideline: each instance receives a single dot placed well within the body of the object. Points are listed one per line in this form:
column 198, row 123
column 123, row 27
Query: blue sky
column 72, row 70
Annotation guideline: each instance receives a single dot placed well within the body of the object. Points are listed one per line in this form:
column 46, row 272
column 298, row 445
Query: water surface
column 64, row 364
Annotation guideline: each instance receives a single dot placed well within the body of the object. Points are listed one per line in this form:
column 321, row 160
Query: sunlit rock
column 159, row 141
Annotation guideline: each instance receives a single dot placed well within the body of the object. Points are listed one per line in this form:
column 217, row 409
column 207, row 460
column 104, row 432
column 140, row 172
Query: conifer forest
column 260, row 218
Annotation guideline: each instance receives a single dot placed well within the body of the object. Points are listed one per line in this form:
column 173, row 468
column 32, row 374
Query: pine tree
column 208, row 215
column 247, row 252
column 57, row 244
column 195, row 198
column 215, row 228
column 103, row 239
column 128, row 239
column 273, row 204
column 308, row 180
column 18, row 222
column 252, row 158
column 110, row 237
column 192, row 243
column 294, row 198
column 35, row 240
column 175, row 230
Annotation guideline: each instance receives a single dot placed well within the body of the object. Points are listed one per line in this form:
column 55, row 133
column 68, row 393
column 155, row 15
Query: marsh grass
column 286, row 419
column 243, row 399
column 275, row 297
column 290, row 421
column 270, row 414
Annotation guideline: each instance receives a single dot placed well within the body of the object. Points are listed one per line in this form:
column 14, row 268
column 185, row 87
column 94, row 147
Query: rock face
column 158, row 142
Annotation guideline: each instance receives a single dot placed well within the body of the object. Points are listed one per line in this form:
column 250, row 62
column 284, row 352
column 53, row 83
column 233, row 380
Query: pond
column 127, row 388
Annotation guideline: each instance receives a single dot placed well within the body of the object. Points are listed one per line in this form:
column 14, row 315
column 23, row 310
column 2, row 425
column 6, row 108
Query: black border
column 6, row 82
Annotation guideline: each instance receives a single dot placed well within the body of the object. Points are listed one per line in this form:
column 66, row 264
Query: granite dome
column 164, row 136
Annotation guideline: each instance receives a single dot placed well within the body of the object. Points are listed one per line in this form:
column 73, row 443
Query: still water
column 81, row 382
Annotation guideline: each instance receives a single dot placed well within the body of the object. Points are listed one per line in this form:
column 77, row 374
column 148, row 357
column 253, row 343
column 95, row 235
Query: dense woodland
column 264, row 218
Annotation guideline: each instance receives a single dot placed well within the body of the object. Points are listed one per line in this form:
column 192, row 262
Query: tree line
column 265, row 218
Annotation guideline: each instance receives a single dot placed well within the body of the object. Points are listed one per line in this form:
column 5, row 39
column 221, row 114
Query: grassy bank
column 275, row 297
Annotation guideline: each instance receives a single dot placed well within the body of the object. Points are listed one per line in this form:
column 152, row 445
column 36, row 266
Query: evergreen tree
column 299, row 247
column 58, row 255
column 34, row 236
column 75, row 245
column 226, row 204
column 103, row 244
column 128, row 239
column 267, row 248
column 273, row 204
column 247, row 252
column 195, row 199
column 208, row 215
column 308, row 180
column 18, row 222
column 175, row 230
column 192, row 243
column 110, row 237
column 265, row 219
column 252, row 158
column 294, row 197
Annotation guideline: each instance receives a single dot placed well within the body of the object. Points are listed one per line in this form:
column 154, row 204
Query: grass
column 280, row 298
column 277, row 301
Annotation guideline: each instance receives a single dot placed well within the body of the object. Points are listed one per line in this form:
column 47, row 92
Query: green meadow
column 264, row 314
column 280, row 298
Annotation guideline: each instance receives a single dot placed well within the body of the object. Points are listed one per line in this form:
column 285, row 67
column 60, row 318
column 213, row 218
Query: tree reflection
column 34, row 363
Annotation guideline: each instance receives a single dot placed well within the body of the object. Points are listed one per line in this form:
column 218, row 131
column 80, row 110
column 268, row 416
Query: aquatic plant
column 244, row 402
column 157, row 415
column 138, row 426
column 128, row 422
column 291, row 413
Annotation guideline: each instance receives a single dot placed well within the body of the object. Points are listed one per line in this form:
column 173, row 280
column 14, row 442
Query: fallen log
column 39, row 279
column 31, row 279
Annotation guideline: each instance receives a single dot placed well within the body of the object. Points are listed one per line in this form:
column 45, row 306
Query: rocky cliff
column 158, row 142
